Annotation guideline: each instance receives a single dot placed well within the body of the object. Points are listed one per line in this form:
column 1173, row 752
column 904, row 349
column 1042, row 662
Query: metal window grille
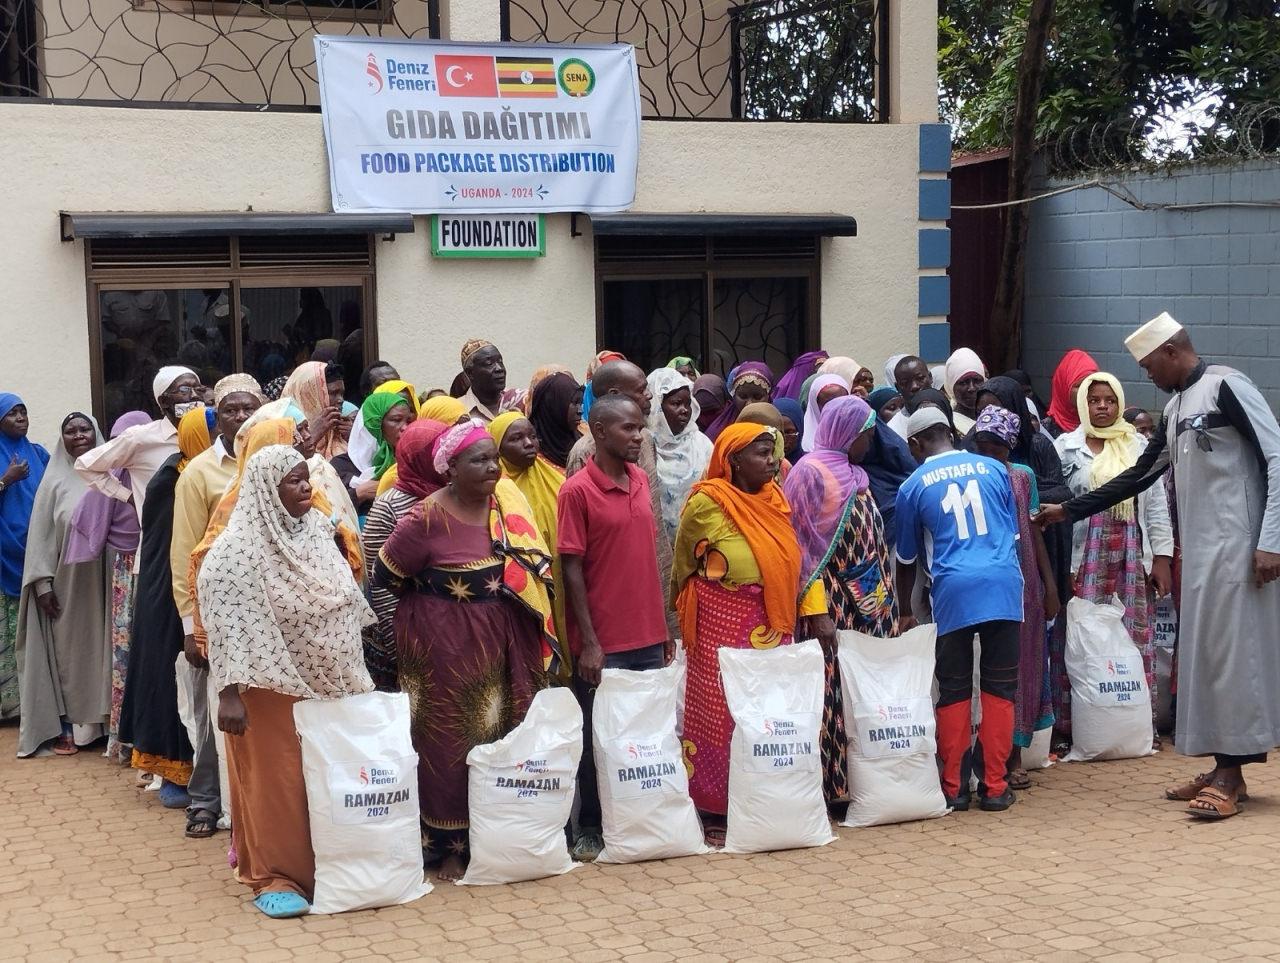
column 765, row 60
column 253, row 52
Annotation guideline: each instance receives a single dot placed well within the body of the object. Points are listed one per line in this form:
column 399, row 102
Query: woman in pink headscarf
column 842, row 544
column 473, row 576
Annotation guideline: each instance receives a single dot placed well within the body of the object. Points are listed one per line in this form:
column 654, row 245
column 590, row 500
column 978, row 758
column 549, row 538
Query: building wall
column 1097, row 268
column 78, row 158
column 173, row 50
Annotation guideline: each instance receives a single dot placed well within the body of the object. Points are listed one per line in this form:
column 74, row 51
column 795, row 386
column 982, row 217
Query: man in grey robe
column 1223, row 444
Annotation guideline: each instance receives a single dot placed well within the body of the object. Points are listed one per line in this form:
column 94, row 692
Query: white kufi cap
column 923, row 419
column 1152, row 335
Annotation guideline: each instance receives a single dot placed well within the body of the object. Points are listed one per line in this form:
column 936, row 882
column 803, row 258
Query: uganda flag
column 526, row 77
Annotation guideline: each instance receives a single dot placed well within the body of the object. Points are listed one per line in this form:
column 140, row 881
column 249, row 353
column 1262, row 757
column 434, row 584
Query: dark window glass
column 284, row 326
column 651, row 321
column 653, row 294
column 142, row 330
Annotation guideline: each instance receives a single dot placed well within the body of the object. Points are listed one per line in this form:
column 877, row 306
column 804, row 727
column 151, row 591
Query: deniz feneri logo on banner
column 400, row 74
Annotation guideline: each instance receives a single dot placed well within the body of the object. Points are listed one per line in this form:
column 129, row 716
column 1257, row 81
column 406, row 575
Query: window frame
column 300, row 10
column 233, row 277
column 708, row 269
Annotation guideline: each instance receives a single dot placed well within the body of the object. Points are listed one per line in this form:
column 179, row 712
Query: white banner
column 433, row 127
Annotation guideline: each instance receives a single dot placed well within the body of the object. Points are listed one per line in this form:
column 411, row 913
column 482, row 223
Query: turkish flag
column 466, row 76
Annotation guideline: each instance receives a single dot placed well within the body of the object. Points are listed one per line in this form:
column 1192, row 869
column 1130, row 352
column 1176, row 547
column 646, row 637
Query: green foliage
column 1108, row 61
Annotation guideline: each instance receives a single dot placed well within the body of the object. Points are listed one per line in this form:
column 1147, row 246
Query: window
column 719, row 300
column 318, row 10
column 258, row 303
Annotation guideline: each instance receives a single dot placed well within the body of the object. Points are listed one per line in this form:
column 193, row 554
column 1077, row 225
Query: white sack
column 890, row 727
column 775, row 771
column 682, row 660
column 1036, row 755
column 520, row 792
column 1110, row 701
column 640, row 772
column 361, row 773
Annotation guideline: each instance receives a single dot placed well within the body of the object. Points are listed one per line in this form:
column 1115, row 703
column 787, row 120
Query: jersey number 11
column 960, row 503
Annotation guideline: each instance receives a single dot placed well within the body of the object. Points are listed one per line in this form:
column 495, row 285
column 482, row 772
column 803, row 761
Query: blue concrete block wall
column 1097, row 268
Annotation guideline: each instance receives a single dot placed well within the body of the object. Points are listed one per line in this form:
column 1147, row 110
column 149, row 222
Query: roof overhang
column 634, row 223
column 79, row 224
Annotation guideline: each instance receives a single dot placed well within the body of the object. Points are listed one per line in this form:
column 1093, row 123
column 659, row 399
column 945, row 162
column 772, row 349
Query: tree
column 1107, row 60
column 1006, row 310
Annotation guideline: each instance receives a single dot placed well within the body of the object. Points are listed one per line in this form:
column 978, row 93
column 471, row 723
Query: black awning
column 702, row 225
column 124, row 224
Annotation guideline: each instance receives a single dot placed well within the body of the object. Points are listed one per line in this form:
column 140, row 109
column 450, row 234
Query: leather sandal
column 201, row 824
column 1212, row 803
column 1189, row 791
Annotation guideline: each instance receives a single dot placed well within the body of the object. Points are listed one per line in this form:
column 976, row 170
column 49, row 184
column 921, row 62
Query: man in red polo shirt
column 616, row 611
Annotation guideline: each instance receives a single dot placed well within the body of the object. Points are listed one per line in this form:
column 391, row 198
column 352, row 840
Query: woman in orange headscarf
column 736, row 581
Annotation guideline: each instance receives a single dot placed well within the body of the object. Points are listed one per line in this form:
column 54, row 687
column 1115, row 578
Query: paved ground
column 1090, row 865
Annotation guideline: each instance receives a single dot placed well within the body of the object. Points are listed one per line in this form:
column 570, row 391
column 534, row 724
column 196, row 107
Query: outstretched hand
column 1049, row 515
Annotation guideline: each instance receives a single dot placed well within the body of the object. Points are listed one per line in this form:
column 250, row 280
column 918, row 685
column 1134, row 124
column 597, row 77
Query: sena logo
column 375, row 82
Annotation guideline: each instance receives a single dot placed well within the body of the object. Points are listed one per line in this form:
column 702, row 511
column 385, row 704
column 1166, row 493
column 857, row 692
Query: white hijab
column 812, row 414
column 682, row 458
column 281, row 607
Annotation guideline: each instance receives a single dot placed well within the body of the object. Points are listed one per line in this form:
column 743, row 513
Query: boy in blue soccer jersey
column 960, row 508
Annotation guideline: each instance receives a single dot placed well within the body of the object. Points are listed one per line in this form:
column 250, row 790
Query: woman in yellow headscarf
column 1120, row 552
column 736, row 581
column 539, row 481
column 443, row 409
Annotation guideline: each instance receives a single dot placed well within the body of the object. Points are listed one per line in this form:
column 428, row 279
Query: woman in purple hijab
column 100, row 521
column 751, row 381
column 842, row 542
column 789, row 384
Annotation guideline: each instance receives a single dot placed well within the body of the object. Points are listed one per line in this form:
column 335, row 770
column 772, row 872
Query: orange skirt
column 269, row 799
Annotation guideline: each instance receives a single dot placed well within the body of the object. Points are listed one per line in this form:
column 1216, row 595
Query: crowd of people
column 177, row 588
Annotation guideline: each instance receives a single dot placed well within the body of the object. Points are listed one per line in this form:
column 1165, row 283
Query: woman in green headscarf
column 685, row 365
column 385, row 415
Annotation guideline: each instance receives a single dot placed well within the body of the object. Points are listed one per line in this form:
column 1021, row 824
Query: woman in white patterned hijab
column 283, row 614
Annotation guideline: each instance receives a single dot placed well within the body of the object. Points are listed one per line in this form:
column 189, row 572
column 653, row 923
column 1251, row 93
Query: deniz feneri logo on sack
column 371, row 775
column 1116, row 667
column 644, row 750
column 525, row 785
column 651, row 765
column 377, row 803
column 781, row 729
column 893, row 713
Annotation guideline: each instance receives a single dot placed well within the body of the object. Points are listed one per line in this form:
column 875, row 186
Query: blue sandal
column 282, row 906
column 173, row 796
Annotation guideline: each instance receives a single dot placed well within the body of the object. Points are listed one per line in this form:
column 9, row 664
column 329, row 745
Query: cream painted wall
column 123, row 159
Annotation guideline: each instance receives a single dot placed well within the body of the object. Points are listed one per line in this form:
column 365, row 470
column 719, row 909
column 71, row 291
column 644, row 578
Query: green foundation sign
column 488, row 235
